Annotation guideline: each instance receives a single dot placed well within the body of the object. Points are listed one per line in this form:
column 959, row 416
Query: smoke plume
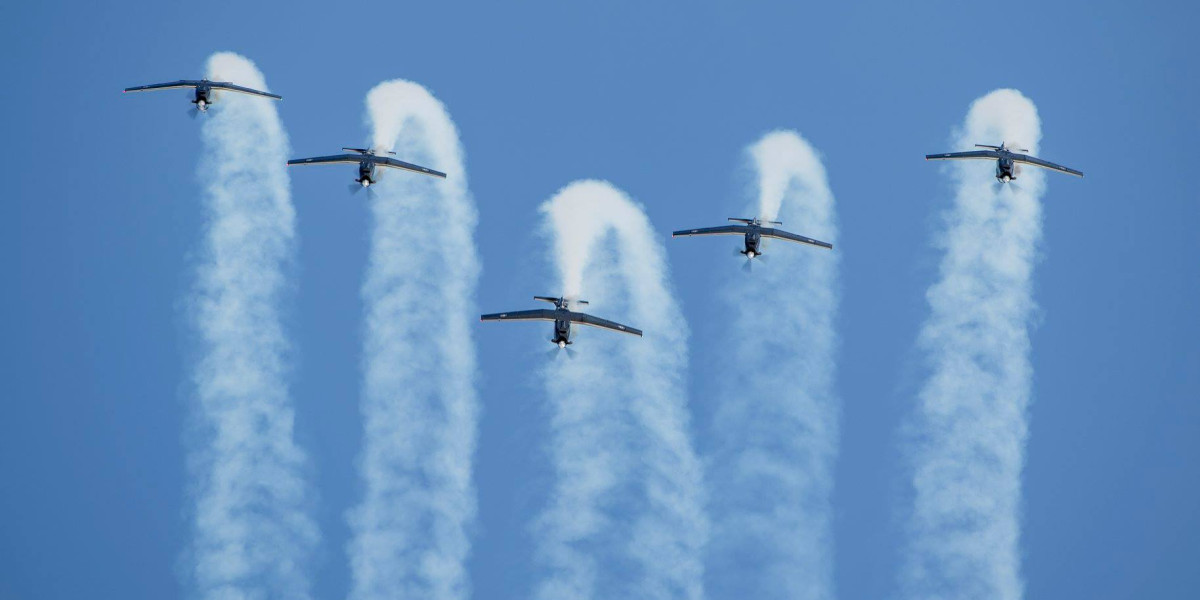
column 253, row 533
column 969, row 430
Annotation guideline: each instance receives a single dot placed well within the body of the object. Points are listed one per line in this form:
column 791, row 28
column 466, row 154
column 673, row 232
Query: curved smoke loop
column 419, row 407
column 629, row 483
column 777, row 422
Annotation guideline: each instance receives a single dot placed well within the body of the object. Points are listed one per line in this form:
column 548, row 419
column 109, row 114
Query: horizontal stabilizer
column 365, row 151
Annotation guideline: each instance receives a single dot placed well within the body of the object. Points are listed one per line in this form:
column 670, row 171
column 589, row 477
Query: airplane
column 753, row 230
column 204, row 90
column 366, row 159
column 1006, row 160
column 563, row 316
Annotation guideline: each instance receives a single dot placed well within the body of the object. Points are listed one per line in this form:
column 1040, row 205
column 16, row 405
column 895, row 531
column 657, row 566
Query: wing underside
column 399, row 164
column 722, row 230
column 586, row 319
column 244, row 90
column 521, row 315
column 1037, row 162
column 780, row 234
column 973, row 154
column 183, row 83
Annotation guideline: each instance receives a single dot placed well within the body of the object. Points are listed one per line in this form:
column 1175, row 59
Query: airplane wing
column 321, row 160
column 722, row 230
column 585, row 319
column 978, row 154
column 1030, row 160
column 780, row 234
column 182, row 83
column 521, row 315
column 399, row 164
column 245, row 90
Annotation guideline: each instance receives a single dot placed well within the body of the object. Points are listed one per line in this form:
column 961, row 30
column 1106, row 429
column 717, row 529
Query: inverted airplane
column 204, row 90
column 367, row 159
column 1006, row 160
column 563, row 317
column 753, row 230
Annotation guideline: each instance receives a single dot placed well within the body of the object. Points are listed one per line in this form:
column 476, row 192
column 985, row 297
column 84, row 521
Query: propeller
column 193, row 111
column 355, row 188
column 557, row 351
column 741, row 253
column 748, row 266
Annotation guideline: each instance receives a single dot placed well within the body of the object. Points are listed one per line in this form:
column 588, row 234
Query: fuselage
column 366, row 173
column 562, row 332
column 203, row 97
column 753, row 244
column 1006, row 169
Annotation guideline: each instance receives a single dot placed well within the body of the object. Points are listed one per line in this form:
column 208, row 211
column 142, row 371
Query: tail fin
column 775, row 222
column 988, row 147
column 553, row 301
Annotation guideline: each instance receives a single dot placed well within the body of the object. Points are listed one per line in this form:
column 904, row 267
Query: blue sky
column 100, row 225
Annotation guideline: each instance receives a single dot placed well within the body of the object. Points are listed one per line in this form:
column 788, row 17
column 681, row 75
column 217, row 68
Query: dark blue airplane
column 204, row 95
column 1006, row 160
column 563, row 316
column 753, row 232
column 366, row 159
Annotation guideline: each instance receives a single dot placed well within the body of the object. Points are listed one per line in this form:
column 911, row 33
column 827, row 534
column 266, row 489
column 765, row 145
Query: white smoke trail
column 419, row 408
column 629, row 483
column 970, row 426
column 252, row 531
column 776, row 427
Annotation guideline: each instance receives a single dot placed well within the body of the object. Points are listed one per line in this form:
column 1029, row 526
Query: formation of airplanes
column 753, row 231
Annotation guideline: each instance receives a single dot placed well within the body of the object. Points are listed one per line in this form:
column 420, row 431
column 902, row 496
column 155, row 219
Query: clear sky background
column 99, row 223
